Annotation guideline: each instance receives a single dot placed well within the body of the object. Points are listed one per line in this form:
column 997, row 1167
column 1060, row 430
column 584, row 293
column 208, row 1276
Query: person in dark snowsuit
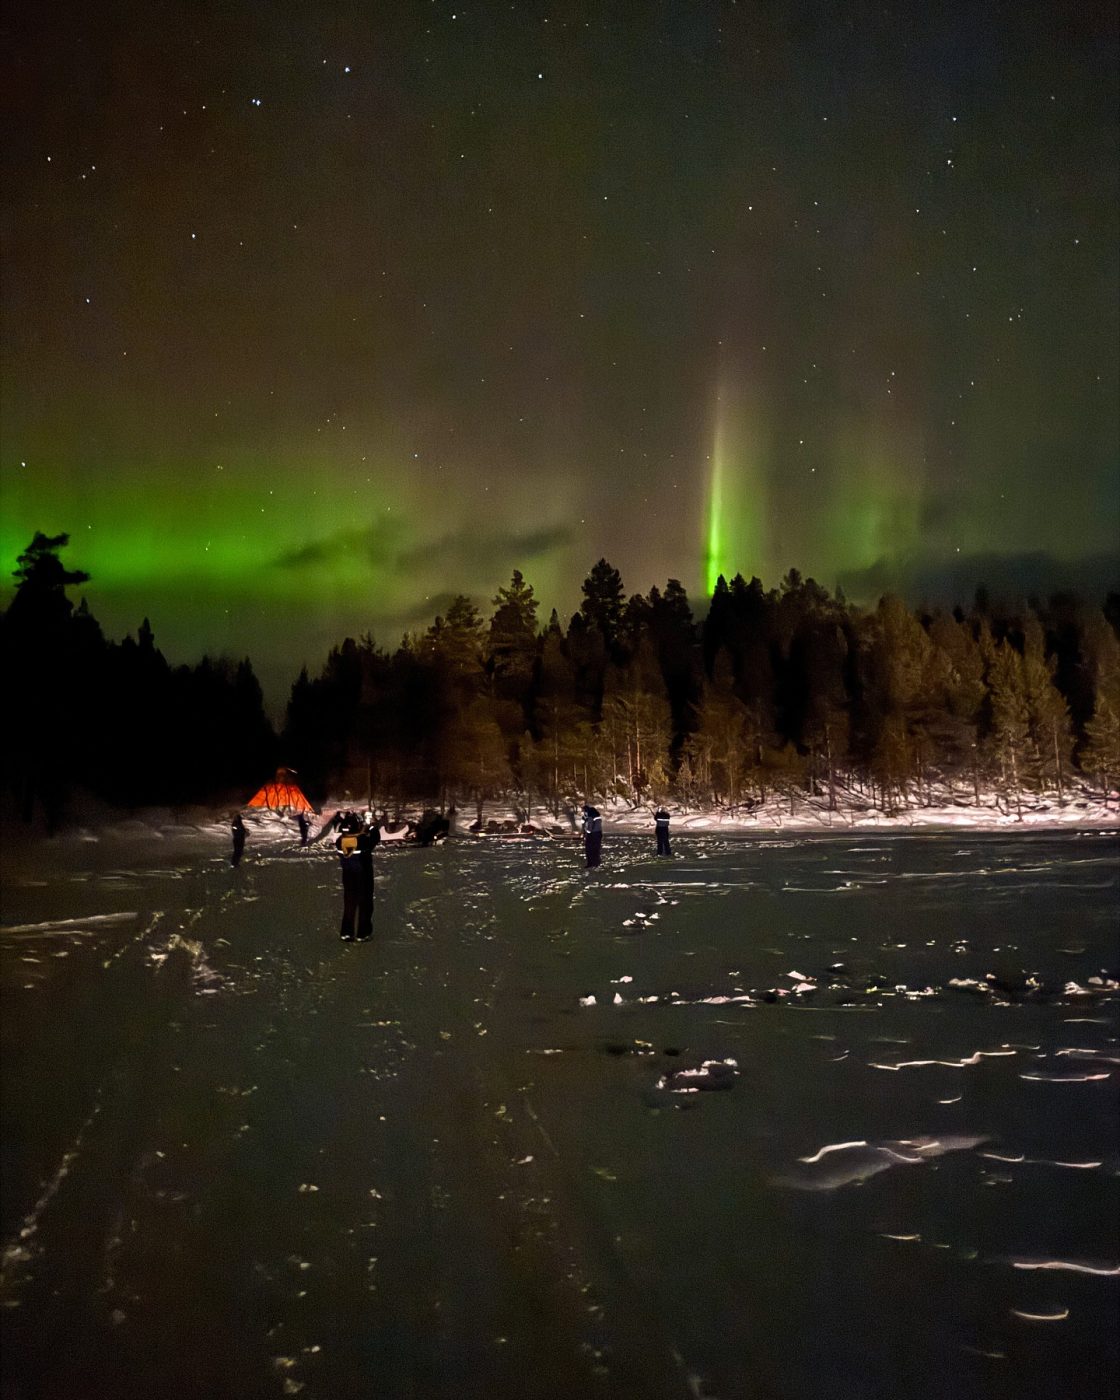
column 238, row 828
column 432, row 828
column 661, row 822
column 592, row 836
column 354, row 843
column 301, row 822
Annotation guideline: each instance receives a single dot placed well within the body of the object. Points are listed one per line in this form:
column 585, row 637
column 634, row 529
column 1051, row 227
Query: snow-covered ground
column 943, row 809
column 799, row 1113
column 946, row 809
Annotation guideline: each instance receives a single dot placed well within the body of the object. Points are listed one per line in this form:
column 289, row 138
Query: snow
column 946, row 810
column 195, row 830
column 800, row 1060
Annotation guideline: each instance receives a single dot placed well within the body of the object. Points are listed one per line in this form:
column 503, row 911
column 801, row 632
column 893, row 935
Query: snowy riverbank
column 202, row 829
column 945, row 811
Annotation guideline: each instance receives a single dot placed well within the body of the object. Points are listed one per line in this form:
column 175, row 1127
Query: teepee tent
column 282, row 794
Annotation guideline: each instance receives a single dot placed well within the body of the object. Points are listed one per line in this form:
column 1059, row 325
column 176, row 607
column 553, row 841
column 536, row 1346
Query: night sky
column 315, row 315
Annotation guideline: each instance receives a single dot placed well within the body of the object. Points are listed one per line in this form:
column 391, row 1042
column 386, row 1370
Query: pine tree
column 1101, row 753
column 456, row 643
column 896, row 659
column 591, row 773
column 816, row 701
column 785, row 771
column 40, row 601
column 638, row 721
column 674, row 636
column 1048, row 714
column 555, row 717
column 718, row 627
column 512, row 645
column 473, row 757
column 958, row 727
column 1010, row 728
column 150, row 701
column 512, row 650
column 827, row 735
column 891, row 760
column 587, row 652
column 753, row 645
column 42, row 734
column 720, row 748
column 603, row 602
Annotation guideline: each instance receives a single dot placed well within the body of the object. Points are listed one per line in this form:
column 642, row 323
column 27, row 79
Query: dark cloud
column 375, row 543
column 380, row 545
column 478, row 549
column 1006, row 577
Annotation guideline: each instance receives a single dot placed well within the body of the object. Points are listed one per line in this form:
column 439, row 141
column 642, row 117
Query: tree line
column 114, row 718
column 788, row 691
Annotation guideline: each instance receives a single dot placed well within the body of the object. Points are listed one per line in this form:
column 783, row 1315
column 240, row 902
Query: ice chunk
column 711, row 1074
column 857, row 1161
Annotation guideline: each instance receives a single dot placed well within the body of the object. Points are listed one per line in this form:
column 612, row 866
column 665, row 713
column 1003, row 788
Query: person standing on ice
column 661, row 822
column 592, row 836
column 238, row 828
column 354, row 844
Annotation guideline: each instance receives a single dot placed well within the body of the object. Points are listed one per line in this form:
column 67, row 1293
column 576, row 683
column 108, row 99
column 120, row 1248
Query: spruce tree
column 1101, row 753
column 720, row 750
column 456, row 642
column 896, row 660
column 555, row 717
column 958, row 726
column 1051, row 736
column 602, row 604
column 473, row 757
column 674, row 635
column 1010, row 719
column 42, row 736
column 638, row 721
column 512, row 645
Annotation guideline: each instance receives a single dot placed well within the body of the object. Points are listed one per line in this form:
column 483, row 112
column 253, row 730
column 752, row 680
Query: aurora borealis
column 317, row 314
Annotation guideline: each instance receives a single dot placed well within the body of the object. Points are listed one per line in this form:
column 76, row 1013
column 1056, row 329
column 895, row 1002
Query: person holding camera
column 354, row 843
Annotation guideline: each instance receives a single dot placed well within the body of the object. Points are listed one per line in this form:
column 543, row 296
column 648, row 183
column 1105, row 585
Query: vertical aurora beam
column 714, row 544
column 735, row 522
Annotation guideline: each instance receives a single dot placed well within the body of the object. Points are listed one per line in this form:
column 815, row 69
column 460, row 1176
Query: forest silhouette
column 789, row 690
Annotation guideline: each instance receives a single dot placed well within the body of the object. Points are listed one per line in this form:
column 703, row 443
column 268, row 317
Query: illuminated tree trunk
column 1057, row 759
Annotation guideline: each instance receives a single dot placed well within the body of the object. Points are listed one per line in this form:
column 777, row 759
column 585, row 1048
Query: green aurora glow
column 714, row 561
column 313, row 318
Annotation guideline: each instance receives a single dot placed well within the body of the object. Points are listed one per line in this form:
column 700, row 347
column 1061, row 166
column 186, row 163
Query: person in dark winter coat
column 354, row 843
column 592, row 836
column 301, row 822
column 661, row 822
column 432, row 828
column 238, row 828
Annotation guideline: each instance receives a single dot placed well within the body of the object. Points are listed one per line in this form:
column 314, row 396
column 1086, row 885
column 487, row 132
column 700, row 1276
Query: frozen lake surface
column 241, row 1158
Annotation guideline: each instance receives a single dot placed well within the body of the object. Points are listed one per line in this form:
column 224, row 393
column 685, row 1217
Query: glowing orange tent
column 282, row 794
